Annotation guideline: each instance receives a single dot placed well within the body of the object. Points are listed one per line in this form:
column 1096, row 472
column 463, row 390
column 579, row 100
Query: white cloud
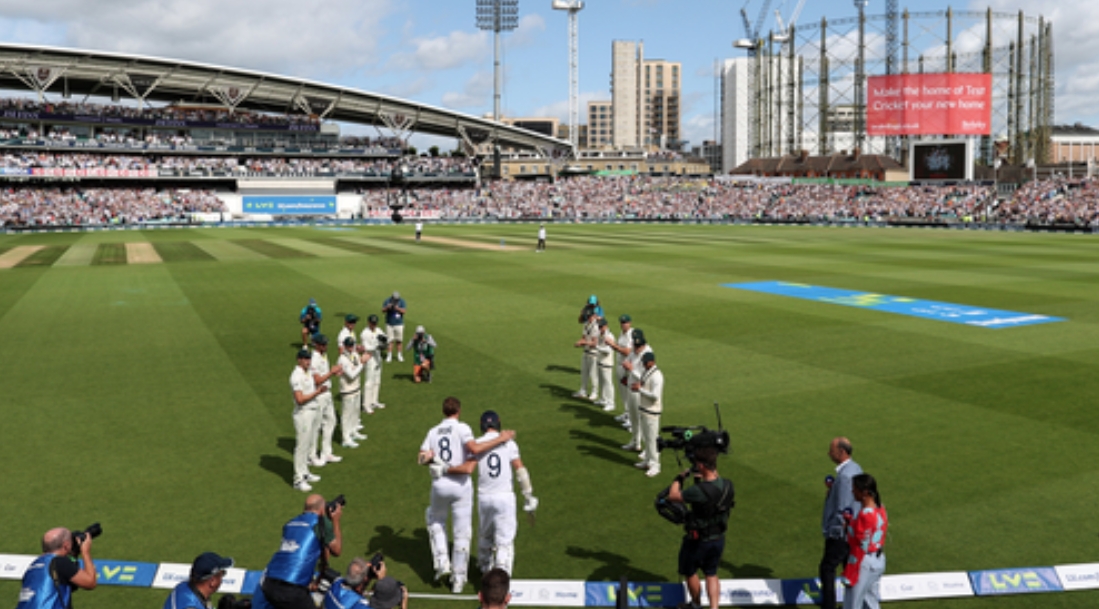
column 298, row 37
column 444, row 52
column 560, row 109
column 528, row 32
column 698, row 128
column 476, row 93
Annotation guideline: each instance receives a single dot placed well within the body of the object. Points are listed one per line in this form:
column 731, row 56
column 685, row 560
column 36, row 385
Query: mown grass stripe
column 80, row 254
column 359, row 247
column 181, row 251
column 310, row 246
column 109, row 254
column 272, row 250
column 46, row 256
column 228, row 251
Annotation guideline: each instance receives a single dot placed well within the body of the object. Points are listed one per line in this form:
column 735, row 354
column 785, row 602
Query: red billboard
column 929, row 104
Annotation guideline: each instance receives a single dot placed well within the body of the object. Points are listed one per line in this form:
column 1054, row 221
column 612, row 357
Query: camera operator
column 51, row 579
column 394, row 308
column 307, row 539
column 423, row 355
column 709, row 500
column 207, row 571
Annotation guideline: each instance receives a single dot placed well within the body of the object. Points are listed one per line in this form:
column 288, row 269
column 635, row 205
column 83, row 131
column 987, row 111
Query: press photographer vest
column 183, row 597
column 709, row 520
column 296, row 560
column 40, row 590
column 341, row 597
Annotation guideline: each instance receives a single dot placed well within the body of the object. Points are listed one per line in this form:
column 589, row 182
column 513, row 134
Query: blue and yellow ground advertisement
column 980, row 317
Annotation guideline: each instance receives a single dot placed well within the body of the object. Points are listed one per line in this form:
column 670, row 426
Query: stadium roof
column 76, row 73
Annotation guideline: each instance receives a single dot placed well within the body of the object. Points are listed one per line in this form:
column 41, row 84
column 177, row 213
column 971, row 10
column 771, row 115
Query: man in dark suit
column 839, row 499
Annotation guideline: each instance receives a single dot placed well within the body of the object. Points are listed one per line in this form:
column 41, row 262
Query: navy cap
column 489, row 419
column 372, row 319
column 208, row 565
column 320, row 339
column 349, row 342
column 351, row 318
column 305, row 354
column 387, row 594
column 639, row 337
column 649, row 356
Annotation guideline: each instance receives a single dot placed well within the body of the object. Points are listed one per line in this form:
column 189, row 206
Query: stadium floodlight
column 573, row 7
column 497, row 16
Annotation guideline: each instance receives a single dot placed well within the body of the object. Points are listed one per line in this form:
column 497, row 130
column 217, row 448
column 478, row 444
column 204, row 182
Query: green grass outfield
column 154, row 398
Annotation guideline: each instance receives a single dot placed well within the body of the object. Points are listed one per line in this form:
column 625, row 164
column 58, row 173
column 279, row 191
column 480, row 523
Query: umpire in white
column 496, row 497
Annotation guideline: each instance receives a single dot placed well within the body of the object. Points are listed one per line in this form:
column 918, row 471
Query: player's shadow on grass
column 559, row 392
column 614, row 566
column 609, row 450
column 278, row 465
column 412, row 549
column 567, row 369
column 747, row 571
column 595, row 415
column 411, row 378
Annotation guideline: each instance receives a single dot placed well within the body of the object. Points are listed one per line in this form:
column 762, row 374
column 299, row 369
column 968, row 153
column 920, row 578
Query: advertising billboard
column 929, row 104
column 290, row 205
column 941, row 160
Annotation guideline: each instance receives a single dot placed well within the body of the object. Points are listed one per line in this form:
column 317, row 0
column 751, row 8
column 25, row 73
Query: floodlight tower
column 573, row 7
column 860, row 78
column 497, row 16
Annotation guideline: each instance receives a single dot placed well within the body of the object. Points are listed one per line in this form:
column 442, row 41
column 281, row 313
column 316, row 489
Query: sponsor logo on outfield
column 925, row 585
column 547, row 593
column 12, row 566
column 1079, row 577
column 120, row 573
column 742, row 592
column 605, row 594
column 1015, row 581
column 979, row 317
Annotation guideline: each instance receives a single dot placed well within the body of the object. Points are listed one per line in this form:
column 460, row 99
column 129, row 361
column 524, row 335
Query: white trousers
column 306, row 422
column 496, row 531
column 350, row 414
column 373, row 382
column 451, row 496
column 587, row 375
column 606, row 384
column 328, row 422
column 632, row 400
column 650, row 431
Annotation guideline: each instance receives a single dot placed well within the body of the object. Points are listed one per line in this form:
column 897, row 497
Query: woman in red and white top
column 866, row 538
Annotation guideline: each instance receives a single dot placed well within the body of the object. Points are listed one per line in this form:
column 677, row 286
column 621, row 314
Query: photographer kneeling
column 709, row 500
column 51, row 579
column 348, row 592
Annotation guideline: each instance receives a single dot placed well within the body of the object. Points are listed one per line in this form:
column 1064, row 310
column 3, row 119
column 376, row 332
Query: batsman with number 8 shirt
column 448, row 450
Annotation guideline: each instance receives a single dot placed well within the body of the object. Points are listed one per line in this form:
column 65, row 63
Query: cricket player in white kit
column 633, row 367
column 372, row 364
column 650, row 391
column 322, row 375
column 351, row 369
column 496, row 498
column 348, row 330
column 306, row 420
column 588, row 376
column 450, row 444
column 623, row 347
column 604, row 365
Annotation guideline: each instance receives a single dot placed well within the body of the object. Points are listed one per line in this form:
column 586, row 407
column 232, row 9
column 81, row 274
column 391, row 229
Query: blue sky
column 431, row 51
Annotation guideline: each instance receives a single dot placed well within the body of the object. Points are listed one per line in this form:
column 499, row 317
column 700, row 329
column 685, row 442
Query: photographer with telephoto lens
column 49, row 581
column 709, row 501
column 307, row 540
column 394, row 309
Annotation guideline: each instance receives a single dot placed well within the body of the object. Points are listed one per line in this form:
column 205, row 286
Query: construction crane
column 573, row 7
column 751, row 42
column 784, row 30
